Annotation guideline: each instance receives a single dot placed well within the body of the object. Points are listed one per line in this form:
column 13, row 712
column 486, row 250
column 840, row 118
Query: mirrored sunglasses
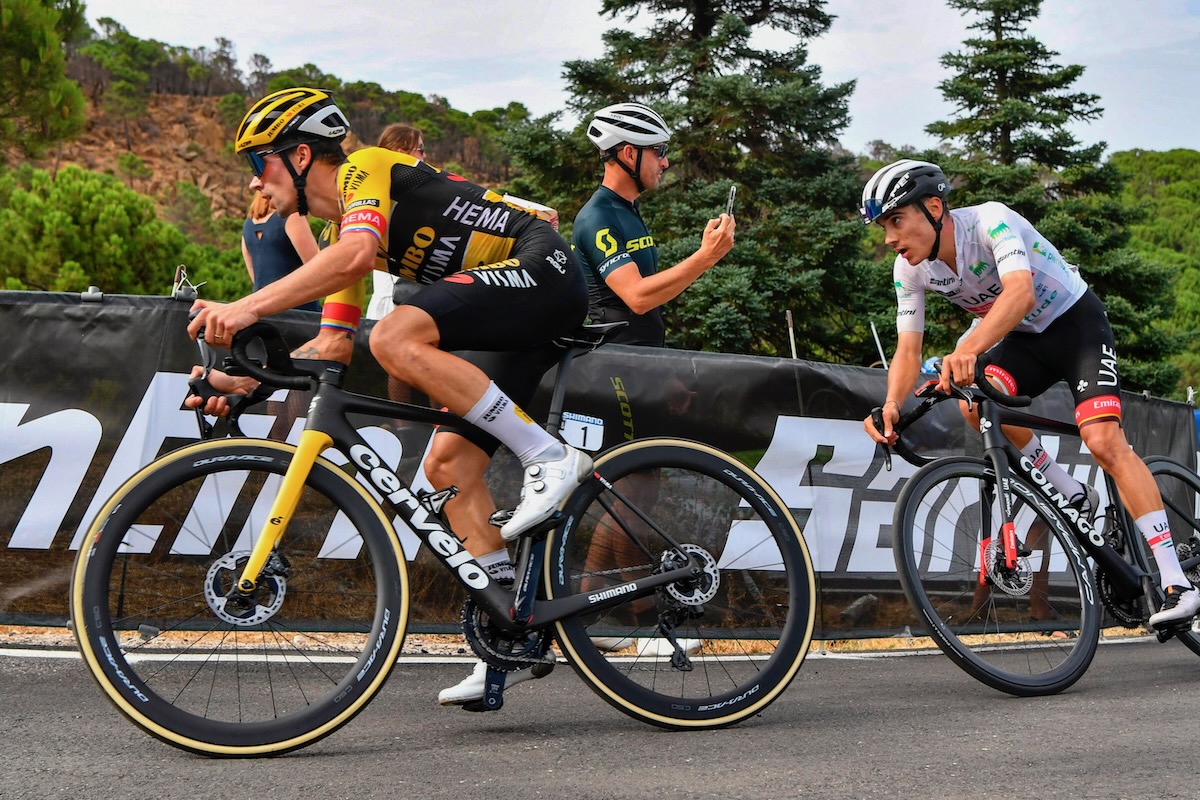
column 258, row 158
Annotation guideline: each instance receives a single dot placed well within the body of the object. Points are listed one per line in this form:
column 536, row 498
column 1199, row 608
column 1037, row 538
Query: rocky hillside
column 180, row 139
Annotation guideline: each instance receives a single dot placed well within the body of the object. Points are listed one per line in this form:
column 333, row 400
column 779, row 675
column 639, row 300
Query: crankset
column 503, row 651
column 245, row 609
column 1186, row 550
column 1127, row 612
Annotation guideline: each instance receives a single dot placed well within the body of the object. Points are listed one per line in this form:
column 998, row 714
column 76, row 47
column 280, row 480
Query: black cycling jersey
column 608, row 234
column 496, row 276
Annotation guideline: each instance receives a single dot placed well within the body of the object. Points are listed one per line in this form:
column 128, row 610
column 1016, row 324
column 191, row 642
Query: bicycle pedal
column 500, row 517
column 1169, row 631
column 480, row 706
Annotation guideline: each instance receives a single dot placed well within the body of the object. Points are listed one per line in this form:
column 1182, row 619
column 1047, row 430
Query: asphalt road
column 910, row 727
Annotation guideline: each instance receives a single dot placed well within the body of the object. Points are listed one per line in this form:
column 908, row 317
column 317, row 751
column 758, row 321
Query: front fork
column 1126, row 579
column 312, row 444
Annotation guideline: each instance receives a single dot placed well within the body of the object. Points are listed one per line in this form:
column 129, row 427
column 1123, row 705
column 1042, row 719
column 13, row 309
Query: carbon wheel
column 743, row 626
column 1027, row 630
column 225, row 676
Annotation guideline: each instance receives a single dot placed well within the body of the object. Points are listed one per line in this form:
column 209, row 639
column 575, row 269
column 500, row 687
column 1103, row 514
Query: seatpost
column 554, row 416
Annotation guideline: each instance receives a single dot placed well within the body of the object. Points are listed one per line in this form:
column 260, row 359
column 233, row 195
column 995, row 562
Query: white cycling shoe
column 656, row 646
column 1182, row 603
column 547, row 485
column 473, row 687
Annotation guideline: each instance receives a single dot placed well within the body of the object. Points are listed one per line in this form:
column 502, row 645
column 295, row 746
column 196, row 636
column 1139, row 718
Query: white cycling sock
column 497, row 414
column 1058, row 477
column 498, row 565
column 1157, row 530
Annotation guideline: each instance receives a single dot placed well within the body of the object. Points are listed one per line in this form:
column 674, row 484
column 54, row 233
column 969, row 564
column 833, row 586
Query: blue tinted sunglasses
column 258, row 158
column 871, row 210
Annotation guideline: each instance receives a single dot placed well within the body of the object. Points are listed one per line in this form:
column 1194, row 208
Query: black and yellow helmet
column 291, row 116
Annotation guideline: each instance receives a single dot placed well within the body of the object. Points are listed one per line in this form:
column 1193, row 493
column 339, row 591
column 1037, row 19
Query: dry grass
column 453, row 644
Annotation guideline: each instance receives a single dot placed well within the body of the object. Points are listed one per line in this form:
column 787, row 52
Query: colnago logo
column 1061, row 502
column 441, row 541
column 616, row 591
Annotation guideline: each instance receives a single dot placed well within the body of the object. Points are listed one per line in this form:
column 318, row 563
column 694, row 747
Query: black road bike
column 244, row 597
column 995, row 561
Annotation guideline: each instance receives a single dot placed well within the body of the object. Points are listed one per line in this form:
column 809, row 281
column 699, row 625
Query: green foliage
column 78, row 228
column 1166, row 186
column 232, row 108
column 41, row 105
column 1012, row 99
column 133, row 168
column 761, row 119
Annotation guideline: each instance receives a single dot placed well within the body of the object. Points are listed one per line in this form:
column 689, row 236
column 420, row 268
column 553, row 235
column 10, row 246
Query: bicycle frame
column 1128, row 580
column 512, row 611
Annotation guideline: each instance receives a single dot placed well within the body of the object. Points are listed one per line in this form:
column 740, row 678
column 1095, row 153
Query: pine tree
column 40, row 105
column 758, row 118
column 1013, row 107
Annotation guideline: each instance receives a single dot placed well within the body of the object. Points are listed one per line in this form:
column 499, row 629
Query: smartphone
column 732, row 194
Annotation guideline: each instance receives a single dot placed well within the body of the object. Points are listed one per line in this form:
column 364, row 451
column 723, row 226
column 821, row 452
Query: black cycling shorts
column 507, row 315
column 1078, row 347
column 521, row 303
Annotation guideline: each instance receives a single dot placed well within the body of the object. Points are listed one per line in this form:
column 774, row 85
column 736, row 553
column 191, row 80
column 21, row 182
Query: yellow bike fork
column 312, row 444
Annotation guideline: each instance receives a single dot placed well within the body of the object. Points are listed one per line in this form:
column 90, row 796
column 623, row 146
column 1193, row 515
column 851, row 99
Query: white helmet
column 899, row 184
column 634, row 123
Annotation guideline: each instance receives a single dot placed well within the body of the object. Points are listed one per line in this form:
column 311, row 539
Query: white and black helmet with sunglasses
column 901, row 183
column 629, row 123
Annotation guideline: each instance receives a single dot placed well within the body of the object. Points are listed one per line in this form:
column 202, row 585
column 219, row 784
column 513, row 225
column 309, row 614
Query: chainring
column 501, row 650
column 1127, row 613
column 1186, row 550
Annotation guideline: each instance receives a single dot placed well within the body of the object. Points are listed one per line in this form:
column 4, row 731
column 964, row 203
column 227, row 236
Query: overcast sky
column 1140, row 55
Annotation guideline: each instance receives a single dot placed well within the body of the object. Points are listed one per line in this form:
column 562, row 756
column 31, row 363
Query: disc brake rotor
column 245, row 610
column 697, row 591
column 1016, row 582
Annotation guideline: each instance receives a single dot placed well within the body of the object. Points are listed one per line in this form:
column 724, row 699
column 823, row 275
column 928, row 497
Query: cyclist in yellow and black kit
column 495, row 278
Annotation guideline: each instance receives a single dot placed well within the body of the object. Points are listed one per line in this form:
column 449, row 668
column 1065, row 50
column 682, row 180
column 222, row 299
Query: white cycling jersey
column 990, row 240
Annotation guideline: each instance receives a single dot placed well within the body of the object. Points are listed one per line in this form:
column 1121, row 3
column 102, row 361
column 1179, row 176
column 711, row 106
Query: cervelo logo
column 440, row 540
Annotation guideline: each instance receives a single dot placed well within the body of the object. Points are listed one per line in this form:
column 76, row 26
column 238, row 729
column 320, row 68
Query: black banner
column 91, row 391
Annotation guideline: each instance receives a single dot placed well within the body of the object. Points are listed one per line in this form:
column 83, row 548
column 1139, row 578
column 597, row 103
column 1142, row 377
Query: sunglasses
column 660, row 150
column 258, row 158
